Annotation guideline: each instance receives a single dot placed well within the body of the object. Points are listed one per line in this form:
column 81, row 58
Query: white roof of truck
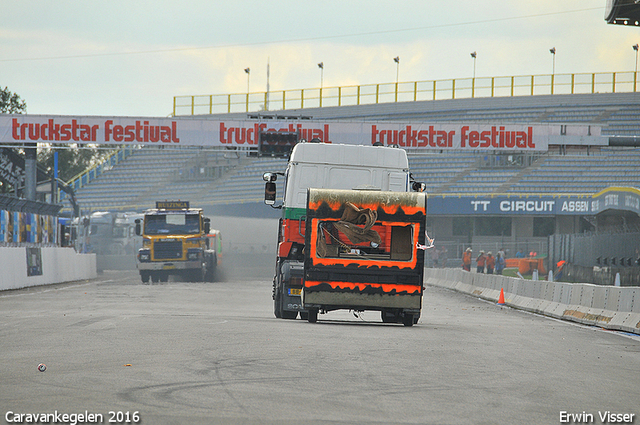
column 354, row 155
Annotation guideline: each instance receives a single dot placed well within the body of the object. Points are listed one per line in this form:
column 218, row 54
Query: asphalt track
column 194, row 353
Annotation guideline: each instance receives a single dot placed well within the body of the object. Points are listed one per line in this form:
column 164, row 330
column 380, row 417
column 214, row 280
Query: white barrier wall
column 56, row 264
column 610, row 307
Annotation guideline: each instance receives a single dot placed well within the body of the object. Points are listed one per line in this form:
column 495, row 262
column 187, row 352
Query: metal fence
column 599, row 250
column 521, row 85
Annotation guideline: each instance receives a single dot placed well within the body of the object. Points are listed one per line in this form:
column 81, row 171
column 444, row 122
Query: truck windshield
column 172, row 224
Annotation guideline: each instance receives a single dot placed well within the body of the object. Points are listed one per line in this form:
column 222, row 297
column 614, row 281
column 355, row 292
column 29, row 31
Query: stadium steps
column 517, row 177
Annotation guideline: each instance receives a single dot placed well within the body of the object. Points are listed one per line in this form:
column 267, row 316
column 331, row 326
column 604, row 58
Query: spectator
column 491, row 263
column 466, row 260
column 501, row 253
column 434, row 258
column 443, row 256
column 519, row 254
column 480, row 260
column 500, row 263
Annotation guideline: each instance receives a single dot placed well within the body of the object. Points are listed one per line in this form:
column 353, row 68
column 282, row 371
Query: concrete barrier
column 609, row 307
column 22, row 267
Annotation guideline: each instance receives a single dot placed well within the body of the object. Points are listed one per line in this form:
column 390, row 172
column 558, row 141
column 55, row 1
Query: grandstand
column 233, row 178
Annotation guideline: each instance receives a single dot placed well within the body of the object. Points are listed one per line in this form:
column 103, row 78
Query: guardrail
column 460, row 88
column 609, row 307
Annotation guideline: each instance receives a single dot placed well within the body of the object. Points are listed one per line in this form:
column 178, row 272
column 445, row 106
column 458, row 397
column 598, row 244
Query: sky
column 130, row 58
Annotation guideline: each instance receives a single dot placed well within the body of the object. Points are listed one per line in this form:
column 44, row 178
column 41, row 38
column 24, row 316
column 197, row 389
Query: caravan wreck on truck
column 352, row 234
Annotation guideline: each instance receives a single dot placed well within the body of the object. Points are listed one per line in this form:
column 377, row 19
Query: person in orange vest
column 480, row 261
column 491, row 263
column 466, row 260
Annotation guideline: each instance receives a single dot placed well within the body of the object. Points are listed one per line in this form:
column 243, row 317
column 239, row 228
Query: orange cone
column 501, row 298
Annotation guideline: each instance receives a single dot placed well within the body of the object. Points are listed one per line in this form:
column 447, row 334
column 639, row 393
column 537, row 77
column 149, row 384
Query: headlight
column 194, row 254
column 144, row 255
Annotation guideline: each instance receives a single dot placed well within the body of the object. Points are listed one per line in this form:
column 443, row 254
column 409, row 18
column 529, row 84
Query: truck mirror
column 269, row 177
column 418, row 186
column 207, row 225
column 138, row 227
column 270, row 193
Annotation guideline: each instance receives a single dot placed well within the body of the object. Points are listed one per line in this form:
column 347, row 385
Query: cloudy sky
column 130, row 58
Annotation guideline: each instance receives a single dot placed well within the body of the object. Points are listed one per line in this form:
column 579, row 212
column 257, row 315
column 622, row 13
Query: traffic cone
column 501, row 298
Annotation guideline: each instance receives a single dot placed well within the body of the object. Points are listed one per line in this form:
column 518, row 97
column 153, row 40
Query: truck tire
column 389, row 317
column 407, row 319
column 313, row 315
column 210, row 275
column 144, row 277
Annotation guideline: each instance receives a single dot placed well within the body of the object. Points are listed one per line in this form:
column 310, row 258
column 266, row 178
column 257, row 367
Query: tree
column 72, row 160
column 10, row 103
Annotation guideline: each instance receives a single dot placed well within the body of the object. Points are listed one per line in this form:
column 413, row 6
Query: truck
column 351, row 235
column 175, row 242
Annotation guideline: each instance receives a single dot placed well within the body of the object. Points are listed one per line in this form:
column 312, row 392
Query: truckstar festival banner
column 203, row 132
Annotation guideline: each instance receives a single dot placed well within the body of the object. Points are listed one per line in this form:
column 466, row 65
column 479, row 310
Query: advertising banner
column 618, row 198
column 16, row 129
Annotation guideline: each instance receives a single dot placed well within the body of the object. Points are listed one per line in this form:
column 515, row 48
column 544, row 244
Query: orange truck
column 352, row 233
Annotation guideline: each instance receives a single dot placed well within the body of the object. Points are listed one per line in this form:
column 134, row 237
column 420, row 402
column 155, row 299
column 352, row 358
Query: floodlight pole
column 321, row 66
column 553, row 71
column 635, row 74
column 397, row 61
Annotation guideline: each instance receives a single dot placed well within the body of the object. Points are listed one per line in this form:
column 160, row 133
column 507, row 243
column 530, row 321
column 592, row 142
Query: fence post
column 513, row 79
column 321, row 97
column 229, row 104
column 572, row 82
column 473, row 87
column 193, row 102
column 415, row 91
column 492, row 85
column 614, row 83
column 302, row 98
column 377, row 92
column 532, row 85
column 283, row 99
column 358, row 95
column 396, row 92
column 174, row 106
column 593, row 83
column 434, row 89
column 211, row 103
column 453, row 88
column 339, row 96
column 247, row 103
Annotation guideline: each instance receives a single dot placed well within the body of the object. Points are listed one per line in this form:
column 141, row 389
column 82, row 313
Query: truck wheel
column 407, row 319
column 277, row 305
column 388, row 317
column 287, row 314
column 144, row 277
column 210, row 275
column 313, row 315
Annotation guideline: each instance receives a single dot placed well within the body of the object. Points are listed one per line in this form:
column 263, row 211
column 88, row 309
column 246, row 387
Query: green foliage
column 10, row 103
column 72, row 161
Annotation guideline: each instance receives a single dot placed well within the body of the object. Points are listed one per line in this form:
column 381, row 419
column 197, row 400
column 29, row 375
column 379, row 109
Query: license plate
column 168, row 267
column 294, row 291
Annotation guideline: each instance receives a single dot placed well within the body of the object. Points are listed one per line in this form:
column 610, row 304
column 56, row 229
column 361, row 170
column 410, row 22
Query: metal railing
column 460, row 88
column 94, row 172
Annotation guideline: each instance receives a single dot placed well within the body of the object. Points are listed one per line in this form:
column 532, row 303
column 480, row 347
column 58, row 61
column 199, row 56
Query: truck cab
column 174, row 242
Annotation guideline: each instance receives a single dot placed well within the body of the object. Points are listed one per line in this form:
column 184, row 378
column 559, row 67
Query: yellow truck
column 175, row 242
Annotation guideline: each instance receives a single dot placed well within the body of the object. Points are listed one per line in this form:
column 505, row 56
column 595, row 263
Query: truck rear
column 361, row 169
column 363, row 253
